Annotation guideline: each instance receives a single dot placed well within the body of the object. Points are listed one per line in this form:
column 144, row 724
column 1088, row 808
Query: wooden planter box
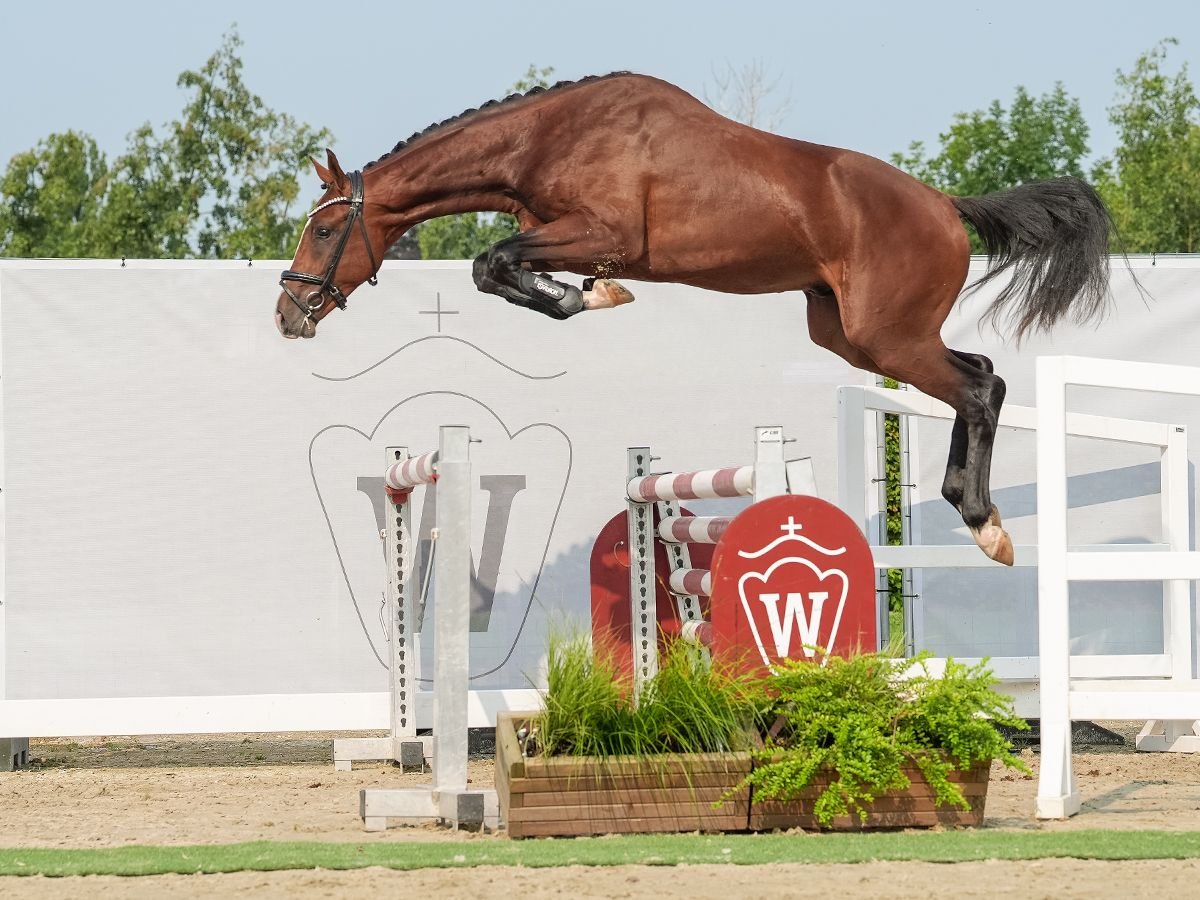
column 571, row 796
column 914, row 807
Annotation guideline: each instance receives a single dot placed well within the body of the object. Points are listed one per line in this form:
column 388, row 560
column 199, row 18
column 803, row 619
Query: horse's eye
column 323, row 232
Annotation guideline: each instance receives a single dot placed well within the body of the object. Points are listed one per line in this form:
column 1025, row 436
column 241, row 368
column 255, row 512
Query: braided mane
column 491, row 104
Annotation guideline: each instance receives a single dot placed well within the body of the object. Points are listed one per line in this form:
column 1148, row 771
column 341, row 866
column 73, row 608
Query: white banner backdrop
column 1113, row 489
column 192, row 503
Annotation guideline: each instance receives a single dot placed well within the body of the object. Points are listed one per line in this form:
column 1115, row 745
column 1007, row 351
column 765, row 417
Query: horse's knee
column 480, row 271
column 978, row 360
column 991, row 393
column 997, row 391
column 503, row 257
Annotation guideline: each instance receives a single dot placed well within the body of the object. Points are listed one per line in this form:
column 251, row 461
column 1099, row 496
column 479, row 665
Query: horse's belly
column 731, row 273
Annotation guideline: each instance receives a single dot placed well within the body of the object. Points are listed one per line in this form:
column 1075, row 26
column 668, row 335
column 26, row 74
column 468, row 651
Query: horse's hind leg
column 956, row 463
column 976, row 394
column 963, row 380
column 575, row 242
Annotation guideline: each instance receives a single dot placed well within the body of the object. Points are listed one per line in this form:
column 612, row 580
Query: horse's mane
column 489, row 105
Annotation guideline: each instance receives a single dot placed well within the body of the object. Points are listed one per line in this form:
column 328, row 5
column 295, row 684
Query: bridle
column 314, row 301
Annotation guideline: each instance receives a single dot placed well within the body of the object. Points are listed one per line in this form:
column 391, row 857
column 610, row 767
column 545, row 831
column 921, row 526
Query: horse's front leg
column 576, row 242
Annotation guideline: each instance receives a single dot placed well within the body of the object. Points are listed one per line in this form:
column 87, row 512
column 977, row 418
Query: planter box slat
column 886, row 803
column 918, row 789
column 945, row 816
column 681, row 795
column 609, row 811
column 699, row 764
column 581, row 827
column 644, row 781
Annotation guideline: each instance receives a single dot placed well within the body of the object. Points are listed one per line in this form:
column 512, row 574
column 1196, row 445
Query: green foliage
column 989, row 150
column 463, row 236
column 51, row 198
column 246, row 155
column 219, row 181
column 894, row 509
column 862, row 720
column 1152, row 182
column 467, row 235
column 688, row 707
column 533, row 77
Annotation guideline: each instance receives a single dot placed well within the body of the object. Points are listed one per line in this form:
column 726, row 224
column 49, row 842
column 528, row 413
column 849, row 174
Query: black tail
column 1054, row 236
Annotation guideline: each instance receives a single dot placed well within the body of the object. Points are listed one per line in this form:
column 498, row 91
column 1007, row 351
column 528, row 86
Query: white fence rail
column 858, row 467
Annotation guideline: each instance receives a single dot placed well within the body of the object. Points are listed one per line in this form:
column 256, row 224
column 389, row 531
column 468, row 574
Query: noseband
column 326, row 283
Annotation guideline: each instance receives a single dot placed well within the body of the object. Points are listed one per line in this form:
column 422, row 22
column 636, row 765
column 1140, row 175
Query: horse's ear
column 324, row 174
column 335, row 170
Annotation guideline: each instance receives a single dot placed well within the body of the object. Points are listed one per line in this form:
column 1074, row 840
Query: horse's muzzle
column 293, row 326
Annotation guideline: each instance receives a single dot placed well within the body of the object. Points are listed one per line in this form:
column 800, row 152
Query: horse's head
column 336, row 254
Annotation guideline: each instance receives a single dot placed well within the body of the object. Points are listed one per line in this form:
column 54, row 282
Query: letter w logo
column 795, row 617
column 501, row 490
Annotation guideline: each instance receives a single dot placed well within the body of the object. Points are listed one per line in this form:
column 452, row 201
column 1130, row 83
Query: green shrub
column 690, row 706
column 862, row 720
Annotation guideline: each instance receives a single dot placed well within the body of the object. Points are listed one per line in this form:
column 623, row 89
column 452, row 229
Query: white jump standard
column 446, row 799
column 770, row 476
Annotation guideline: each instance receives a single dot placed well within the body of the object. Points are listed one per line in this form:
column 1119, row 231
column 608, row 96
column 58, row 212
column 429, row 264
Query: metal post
column 852, row 455
column 642, row 583
column 680, row 557
column 405, row 659
column 452, row 610
column 770, row 471
column 404, row 652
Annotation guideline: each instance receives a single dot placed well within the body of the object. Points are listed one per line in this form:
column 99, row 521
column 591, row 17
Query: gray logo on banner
column 501, row 490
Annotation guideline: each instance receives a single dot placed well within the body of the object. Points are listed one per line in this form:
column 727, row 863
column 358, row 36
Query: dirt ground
column 231, row 788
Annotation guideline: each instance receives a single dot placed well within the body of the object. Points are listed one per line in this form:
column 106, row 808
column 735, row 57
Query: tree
column 989, row 150
column 52, row 196
column 246, row 155
column 220, row 181
column 1151, row 183
column 463, row 236
column 467, row 235
column 743, row 95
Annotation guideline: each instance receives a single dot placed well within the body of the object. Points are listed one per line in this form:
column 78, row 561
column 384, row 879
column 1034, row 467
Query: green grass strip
column 662, row 850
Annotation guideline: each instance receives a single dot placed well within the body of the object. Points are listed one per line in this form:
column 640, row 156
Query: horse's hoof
column 993, row 540
column 605, row 294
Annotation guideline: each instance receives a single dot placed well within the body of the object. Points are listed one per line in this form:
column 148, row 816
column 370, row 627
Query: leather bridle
column 314, row 301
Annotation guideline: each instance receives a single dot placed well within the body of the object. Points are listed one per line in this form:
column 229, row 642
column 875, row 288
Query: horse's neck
column 442, row 174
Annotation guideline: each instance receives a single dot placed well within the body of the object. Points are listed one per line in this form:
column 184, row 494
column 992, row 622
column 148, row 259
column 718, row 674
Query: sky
column 872, row 76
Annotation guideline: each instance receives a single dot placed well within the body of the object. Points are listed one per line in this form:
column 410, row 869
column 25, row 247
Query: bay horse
column 628, row 176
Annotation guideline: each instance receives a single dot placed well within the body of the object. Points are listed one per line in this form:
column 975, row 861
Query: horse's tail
column 1053, row 236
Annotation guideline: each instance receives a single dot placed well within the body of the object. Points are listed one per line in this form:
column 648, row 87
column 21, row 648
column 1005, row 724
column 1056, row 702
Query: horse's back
column 721, row 204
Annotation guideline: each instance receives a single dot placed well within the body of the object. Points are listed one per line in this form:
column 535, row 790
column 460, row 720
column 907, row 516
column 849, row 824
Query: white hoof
column 605, row 294
column 993, row 540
